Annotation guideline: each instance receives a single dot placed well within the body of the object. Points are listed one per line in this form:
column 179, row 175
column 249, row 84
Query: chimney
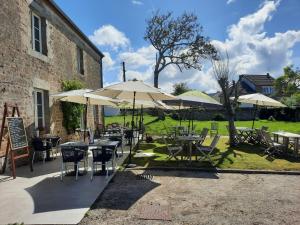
column 268, row 75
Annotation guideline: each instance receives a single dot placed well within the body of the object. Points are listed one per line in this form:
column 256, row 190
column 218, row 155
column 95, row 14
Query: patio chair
column 40, row 147
column 214, row 128
column 55, row 142
column 72, row 155
column 272, row 146
column 99, row 158
column 172, row 146
column 206, row 151
column 202, row 137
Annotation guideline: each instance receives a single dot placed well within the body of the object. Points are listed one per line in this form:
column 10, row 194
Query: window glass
column 36, row 33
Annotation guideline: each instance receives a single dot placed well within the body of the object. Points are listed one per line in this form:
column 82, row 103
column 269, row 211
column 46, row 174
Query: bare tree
column 178, row 42
column 224, row 77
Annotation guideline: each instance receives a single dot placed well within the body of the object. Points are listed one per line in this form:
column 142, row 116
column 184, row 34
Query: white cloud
column 251, row 50
column 136, row 2
column 230, row 1
column 249, row 47
column 108, row 35
column 108, row 62
column 144, row 56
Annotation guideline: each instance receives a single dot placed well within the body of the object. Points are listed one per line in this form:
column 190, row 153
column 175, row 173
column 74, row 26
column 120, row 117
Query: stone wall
column 22, row 69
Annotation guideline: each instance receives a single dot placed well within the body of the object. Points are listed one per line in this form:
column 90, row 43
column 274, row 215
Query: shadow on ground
column 124, row 191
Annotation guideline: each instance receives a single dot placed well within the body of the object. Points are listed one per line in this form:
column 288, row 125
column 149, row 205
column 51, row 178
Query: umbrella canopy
column 194, row 98
column 145, row 104
column 135, row 90
column 130, row 89
column 84, row 96
column 260, row 100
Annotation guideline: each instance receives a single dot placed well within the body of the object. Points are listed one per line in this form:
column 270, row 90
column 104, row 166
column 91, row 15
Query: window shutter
column 44, row 36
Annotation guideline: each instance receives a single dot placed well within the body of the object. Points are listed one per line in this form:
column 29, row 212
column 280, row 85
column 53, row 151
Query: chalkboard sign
column 17, row 133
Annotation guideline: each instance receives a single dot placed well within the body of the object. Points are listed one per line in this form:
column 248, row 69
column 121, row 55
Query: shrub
column 71, row 111
column 219, row 117
column 271, row 118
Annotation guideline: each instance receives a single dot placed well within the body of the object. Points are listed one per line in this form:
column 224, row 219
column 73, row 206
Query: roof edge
column 75, row 27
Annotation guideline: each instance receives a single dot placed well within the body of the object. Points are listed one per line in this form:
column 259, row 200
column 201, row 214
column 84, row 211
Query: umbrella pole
column 189, row 121
column 85, row 121
column 124, row 117
column 254, row 115
column 179, row 113
column 132, row 127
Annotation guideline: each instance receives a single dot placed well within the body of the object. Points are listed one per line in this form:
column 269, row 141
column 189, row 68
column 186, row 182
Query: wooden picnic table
column 287, row 136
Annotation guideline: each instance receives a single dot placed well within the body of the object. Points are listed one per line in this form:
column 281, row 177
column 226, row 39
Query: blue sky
column 260, row 36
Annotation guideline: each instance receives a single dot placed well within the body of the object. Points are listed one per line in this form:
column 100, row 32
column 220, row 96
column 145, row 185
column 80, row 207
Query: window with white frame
column 36, row 33
column 267, row 90
column 39, row 108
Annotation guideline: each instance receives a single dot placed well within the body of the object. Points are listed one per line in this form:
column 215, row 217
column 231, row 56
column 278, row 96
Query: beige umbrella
column 84, row 96
column 135, row 90
column 258, row 99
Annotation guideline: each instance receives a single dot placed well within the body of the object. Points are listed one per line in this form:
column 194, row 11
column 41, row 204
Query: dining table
column 190, row 139
column 105, row 144
column 288, row 138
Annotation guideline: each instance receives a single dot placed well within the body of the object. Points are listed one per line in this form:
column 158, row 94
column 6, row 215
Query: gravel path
column 200, row 198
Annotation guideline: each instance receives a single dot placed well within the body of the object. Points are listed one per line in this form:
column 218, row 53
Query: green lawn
column 242, row 157
column 156, row 127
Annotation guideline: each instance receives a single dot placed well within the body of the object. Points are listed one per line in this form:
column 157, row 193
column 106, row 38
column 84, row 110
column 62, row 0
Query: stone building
column 39, row 48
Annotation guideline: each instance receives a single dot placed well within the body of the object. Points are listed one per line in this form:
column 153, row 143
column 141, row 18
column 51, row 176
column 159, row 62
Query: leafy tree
column 289, row 83
column 180, row 88
column 178, row 41
column 71, row 111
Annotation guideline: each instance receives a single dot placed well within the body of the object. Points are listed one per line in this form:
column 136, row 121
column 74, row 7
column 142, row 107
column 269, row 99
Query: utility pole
column 124, row 71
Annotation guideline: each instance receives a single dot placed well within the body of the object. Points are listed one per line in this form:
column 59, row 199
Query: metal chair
column 40, row 147
column 99, row 157
column 55, row 142
column 206, row 151
column 214, row 128
column 172, row 146
column 72, row 155
column 272, row 146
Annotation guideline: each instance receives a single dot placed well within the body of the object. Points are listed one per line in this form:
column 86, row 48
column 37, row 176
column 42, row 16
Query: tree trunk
column 156, row 73
column 231, row 115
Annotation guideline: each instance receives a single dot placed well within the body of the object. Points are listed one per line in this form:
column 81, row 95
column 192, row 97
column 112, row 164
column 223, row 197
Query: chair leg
column 106, row 170
column 92, row 171
column 76, row 171
column 62, row 171
column 44, row 156
column 32, row 161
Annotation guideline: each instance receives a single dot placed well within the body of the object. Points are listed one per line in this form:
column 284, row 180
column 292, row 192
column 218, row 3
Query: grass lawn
column 241, row 157
column 156, row 127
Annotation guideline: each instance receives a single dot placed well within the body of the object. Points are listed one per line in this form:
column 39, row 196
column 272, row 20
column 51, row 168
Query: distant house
column 249, row 84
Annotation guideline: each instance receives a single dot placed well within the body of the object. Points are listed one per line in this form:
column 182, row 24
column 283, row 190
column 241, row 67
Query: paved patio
column 40, row 197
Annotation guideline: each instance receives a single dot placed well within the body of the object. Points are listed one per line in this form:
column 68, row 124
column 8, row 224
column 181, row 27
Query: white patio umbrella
column 258, row 99
column 135, row 90
column 194, row 98
column 84, row 96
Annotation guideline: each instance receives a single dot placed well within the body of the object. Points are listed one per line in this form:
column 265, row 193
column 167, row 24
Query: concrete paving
column 40, row 197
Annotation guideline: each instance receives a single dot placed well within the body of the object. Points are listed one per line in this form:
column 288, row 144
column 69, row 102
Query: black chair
column 101, row 157
column 72, row 155
column 40, row 147
column 128, row 135
column 55, row 142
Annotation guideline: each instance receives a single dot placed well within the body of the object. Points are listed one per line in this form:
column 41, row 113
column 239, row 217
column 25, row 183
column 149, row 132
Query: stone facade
column 22, row 69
